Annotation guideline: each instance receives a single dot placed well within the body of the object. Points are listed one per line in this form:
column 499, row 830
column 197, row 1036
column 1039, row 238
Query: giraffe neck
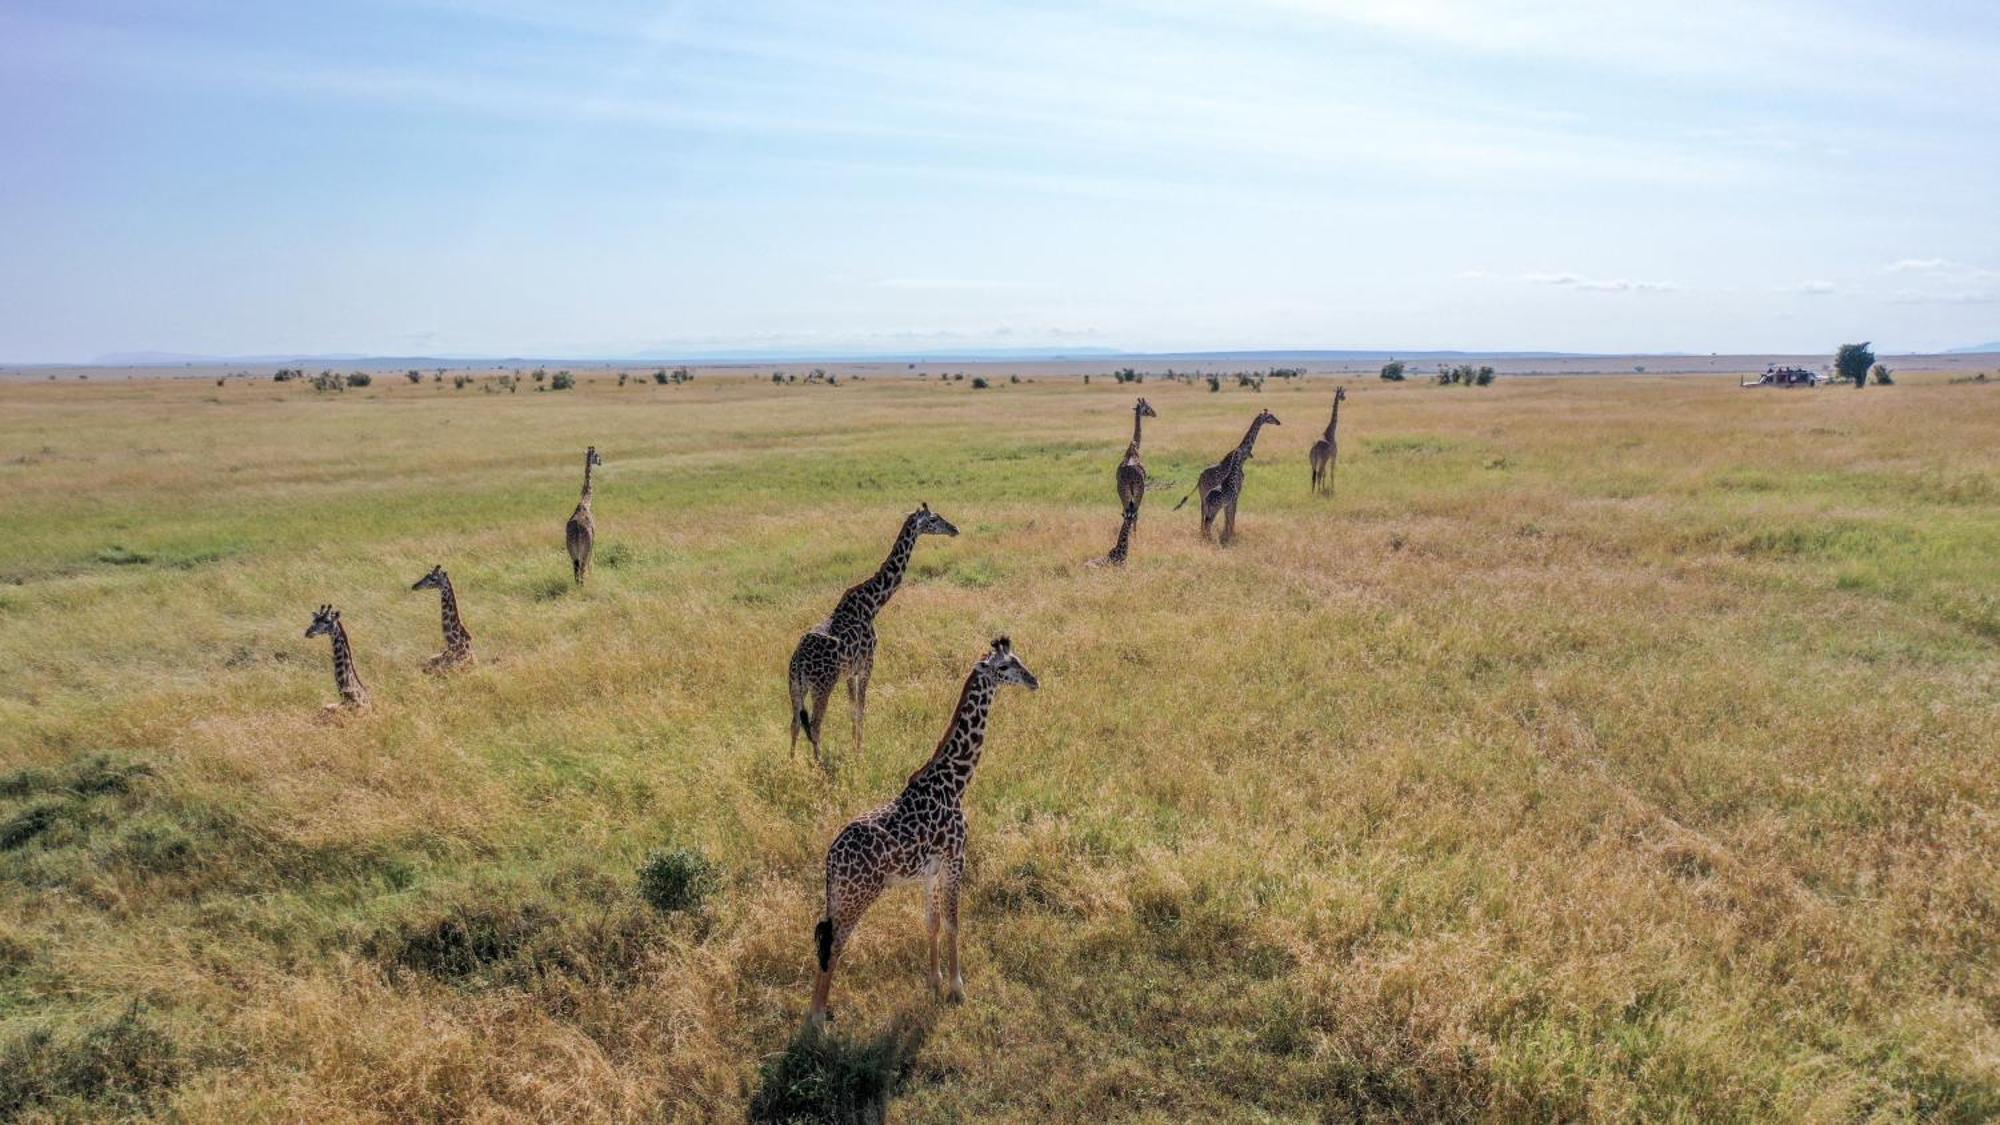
column 950, row 769
column 588, row 484
column 345, row 678
column 455, row 634
column 1138, row 419
column 1124, row 538
column 1249, row 438
column 870, row 596
column 1335, row 421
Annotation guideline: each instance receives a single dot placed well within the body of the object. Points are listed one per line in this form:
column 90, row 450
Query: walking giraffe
column 457, row 639
column 918, row 837
column 1124, row 544
column 1221, row 484
column 1326, row 451
column 353, row 696
column 1132, row 470
column 843, row 646
column 582, row 530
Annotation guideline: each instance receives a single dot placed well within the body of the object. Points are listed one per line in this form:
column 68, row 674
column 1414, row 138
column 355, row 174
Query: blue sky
column 493, row 177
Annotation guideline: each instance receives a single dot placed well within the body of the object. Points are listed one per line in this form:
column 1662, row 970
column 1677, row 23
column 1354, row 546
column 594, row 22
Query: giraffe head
column 590, row 457
column 1006, row 667
column 1340, row 394
column 1145, row 409
column 435, row 580
column 324, row 619
column 1267, row 418
column 928, row 522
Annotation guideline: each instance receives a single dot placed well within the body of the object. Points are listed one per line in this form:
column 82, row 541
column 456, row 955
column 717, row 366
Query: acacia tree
column 1852, row 361
column 1392, row 371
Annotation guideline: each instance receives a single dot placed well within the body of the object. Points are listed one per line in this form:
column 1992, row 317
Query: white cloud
column 1578, row 281
column 1815, row 288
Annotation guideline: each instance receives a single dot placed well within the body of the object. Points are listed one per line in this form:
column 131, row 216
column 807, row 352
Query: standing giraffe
column 1132, row 470
column 582, row 530
column 1124, row 544
column 1221, row 484
column 1326, row 451
column 843, row 646
column 353, row 696
column 918, row 837
column 457, row 639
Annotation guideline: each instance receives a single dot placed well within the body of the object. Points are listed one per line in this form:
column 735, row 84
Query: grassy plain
column 1608, row 748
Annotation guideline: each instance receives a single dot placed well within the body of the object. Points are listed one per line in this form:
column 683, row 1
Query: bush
column 677, row 879
column 1883, row 376
column 1214, row 384
column 1392, row 371
column 562, row 382
column 359, row 379
column 458, row 382
column 328, row 381
column 979, row 382
column 414, row 375
column 540, row 374
column 1852, row 361
column 660, row 377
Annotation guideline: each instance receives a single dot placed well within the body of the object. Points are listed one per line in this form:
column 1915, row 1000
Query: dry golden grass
column 1608, row 748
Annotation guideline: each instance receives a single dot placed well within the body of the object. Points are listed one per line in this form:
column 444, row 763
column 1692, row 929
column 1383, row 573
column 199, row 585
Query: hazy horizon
column 488, row 178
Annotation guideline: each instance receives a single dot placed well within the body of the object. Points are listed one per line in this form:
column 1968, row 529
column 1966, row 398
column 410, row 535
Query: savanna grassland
column 1608, row 748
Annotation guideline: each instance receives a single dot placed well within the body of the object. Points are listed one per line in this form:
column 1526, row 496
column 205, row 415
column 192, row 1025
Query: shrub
column 414, row 375
column 979, row 382
column 1853, row 362
column 540, row 374
column 777, row 376
column 359, row 379
column 1484, row 377
column 1214, row 384
column 1883, row 376
column 458, row 382
column 563, row 381
column 660, row 376
column 677, row 879
column 622, row 376
column 328, row 381
column 1392, row 371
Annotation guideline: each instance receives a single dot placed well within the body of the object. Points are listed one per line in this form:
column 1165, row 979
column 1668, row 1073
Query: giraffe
column 918, row 837
column 582, row 530
column 843, row 646
column 1221, row 484
column 1326, row 451
column 353, row 696
column 1124, row 544
column 457, row 639
column 1132, row 470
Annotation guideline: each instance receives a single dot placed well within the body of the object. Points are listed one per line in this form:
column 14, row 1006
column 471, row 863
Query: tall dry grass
column 1608, row 748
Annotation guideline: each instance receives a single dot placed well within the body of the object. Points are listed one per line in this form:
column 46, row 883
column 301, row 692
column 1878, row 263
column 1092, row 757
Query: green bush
column 563, row 381
column 677, row 879
column 359, row 379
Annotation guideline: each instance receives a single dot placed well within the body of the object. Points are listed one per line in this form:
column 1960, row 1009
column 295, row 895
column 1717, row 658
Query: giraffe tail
column 1185, row 499
column 823, row 941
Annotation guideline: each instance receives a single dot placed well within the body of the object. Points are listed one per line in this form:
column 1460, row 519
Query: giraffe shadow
column 822, row 1076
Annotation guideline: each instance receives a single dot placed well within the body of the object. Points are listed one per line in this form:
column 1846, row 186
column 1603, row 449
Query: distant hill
column 1976, row 349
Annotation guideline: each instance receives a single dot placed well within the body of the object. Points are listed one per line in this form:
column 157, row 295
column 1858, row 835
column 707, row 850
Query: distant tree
column 979, row 382
column 540, row 374
column 777, row 376
column 458, row 382
column 1214, row 384
column 1883, row 376
column 414, row 375
column 1484, row 376
column 563, row 381
column 1086, row 380
column 359, row 379
column 1013, row 378
column 683, row 375
column 660, row 376
column 622, row 376
column 1392, row 371
column 1852, row 361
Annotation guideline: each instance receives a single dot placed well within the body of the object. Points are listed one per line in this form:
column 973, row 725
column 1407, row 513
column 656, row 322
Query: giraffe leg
column 954, row 870
column 857, row 690
column 931, row 926
column 821, row 694
column 1229, row 523
column 848, row 898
